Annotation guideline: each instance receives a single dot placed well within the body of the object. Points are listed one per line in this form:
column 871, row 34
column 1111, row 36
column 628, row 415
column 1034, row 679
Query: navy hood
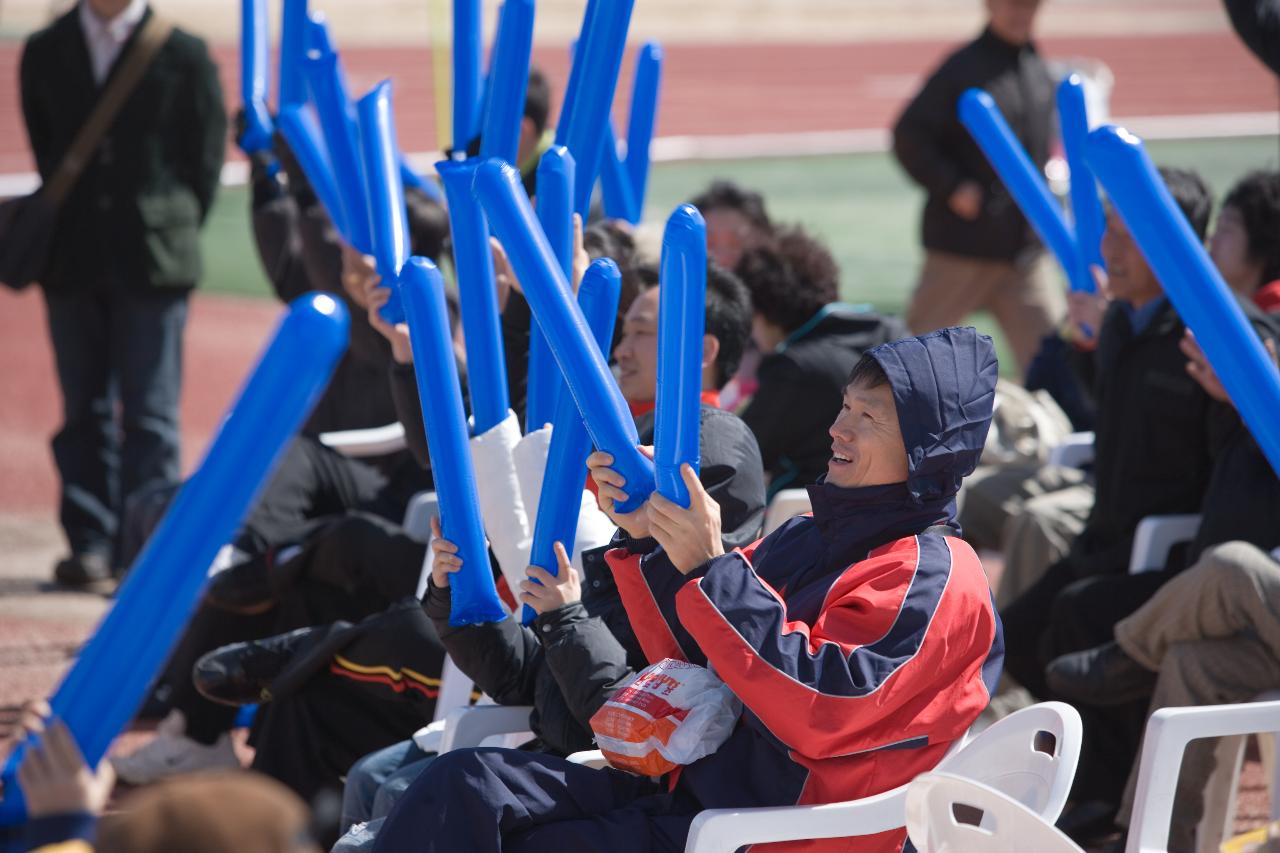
column 944, row 386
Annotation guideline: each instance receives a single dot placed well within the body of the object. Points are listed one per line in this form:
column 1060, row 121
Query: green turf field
column 860, row 203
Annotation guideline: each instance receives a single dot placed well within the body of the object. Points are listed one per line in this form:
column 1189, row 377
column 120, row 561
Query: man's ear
column 710, row 350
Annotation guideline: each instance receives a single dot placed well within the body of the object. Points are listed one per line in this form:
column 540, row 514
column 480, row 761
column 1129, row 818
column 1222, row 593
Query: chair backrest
column 786, row 504
column 455, row 690
column 1030, row 755
column 951, row 814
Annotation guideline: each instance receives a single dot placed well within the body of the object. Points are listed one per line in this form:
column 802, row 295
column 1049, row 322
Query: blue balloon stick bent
column 980, row 115
column 615, row 183
column 293, row 46
column 555, row 214
column 254, row 70
column 388, row 221
column 644, row 118
column 474, row 596
column 1191, row 281
column 477, row 297
column 109, row 679
column 305, row 142
column 508, row 82
column 1086, row 208
column 592, row 82
column 585, row 370
column 682, row 310
column 342, row 138
column 410, row 178
column 566, row 470
column 467, row 81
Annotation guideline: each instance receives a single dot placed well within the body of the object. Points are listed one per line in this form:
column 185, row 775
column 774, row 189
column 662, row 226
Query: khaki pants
column 1213, row 635
column 1040, row 535
column 1024, row 296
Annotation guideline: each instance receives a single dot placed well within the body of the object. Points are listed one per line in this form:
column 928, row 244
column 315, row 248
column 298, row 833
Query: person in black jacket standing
column 124, row 257
column 980, row 252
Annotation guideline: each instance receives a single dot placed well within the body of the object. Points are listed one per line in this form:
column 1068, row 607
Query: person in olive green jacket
column 124, row 257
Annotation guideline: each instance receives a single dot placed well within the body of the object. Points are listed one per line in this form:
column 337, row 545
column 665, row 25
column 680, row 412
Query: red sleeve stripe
column 655, row 635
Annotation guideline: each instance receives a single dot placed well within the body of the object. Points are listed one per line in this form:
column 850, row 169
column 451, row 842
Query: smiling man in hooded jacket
column 861, row 640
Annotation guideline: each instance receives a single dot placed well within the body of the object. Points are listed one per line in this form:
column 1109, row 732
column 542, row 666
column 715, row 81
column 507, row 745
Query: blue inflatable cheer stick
column 482, row 326
column 585, row 370
column 308, row 149
column 980, row 115
column 293, row 46
column 1086, row 208
column 508, row 82
column 615, row 183
column 1191, row 281
column 555, row 214
column 388, row 222
column 467, row 83
column 341, row 135
column 253, row 77
column 682, row 311
column 110, row 677
column 410, row 178
column 566, row 471
column 644, row 117
column 474, row 596
column 589, row 94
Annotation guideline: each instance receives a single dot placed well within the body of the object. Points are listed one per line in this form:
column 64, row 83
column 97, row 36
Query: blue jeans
column 375, row 782
column 114, row 347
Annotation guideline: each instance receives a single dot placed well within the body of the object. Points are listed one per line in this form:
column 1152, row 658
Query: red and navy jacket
column 862, row 640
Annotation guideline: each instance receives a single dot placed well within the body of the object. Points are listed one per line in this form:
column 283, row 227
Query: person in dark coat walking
column 124, row 257
column 980, row 252
column 862, row 639
column 809, row 343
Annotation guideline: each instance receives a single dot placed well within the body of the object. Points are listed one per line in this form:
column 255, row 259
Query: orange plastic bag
column 671, row 714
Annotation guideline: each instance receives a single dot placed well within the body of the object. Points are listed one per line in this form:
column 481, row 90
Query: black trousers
column 509, row 801
column 1062, row 613
column 355, row 566
column 114, row 346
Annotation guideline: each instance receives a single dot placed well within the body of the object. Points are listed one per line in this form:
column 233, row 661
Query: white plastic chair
column 785, row 505
column 1168, row 732
column 421, row 508
column 1030, row 755
column 360, row 443
column 1075, row 451
column 942, row 808
column 1155, row 537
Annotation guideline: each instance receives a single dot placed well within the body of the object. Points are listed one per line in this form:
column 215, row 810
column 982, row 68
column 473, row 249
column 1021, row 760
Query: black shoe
column 85, row 571
column 241, row 673
column 1088, row 821
column 244, row 587
column 1103, row 676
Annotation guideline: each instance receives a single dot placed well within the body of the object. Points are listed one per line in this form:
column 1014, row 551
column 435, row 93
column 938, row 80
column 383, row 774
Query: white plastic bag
column 671, row 714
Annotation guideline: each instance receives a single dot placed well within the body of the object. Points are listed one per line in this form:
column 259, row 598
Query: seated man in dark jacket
column 865, row 628
column 809, row 342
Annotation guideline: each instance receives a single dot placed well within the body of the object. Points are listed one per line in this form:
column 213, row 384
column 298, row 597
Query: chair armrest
column 1155, row 537
column 591, row 758
column 1075, row 451
column 467, row 727
column 719, row 830
column 359, row 443
column 428, row 737
column 422, row 507
column 1168, row 732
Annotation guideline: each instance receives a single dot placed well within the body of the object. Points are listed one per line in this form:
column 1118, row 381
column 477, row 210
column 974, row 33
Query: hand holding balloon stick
column 561, row 495
column 586, row 373
column 475, row 597
column 681, row 325
column 111, row 675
